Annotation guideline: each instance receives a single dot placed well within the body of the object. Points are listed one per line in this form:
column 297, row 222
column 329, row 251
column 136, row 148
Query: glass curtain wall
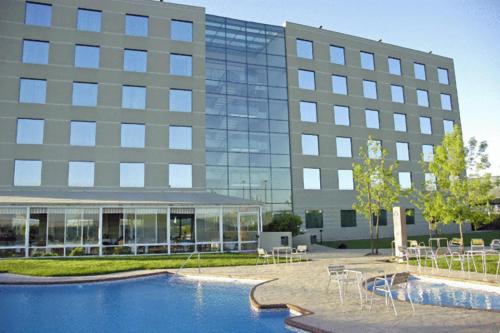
column 12, row 232
column 247, row 141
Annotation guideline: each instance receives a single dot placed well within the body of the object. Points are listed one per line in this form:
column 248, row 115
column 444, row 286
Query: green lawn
column 104, row 265
column 385, row 243
column 491, row 264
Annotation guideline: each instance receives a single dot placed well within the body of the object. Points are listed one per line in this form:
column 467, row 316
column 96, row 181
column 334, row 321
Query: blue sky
column 467, row 31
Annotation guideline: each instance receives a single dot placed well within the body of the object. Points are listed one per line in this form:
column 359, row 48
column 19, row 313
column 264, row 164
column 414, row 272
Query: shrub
column 77, row 251
column 285, row 222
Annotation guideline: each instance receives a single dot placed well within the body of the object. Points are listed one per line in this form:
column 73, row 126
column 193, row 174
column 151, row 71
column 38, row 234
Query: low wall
column 268, row 240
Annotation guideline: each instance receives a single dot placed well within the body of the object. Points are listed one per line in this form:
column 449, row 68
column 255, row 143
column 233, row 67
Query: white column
column 400, row 234
column 168, row 229
column 100, row 231
column 27, row 234
column 221, row 226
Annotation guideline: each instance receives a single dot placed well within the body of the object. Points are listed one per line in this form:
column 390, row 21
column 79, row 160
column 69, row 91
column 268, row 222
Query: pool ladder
column 186, row 261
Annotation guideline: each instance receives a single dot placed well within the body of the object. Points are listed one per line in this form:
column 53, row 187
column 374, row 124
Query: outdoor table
column 286, row 250
column 417, row 252
column 483, row 253
column 360, row 276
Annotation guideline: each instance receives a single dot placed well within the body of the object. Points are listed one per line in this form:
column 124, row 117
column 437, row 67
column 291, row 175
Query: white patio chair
column 299, row 252
column 455, row 254
column 386, row 286
column 337, row 274
column 495, row 245
column 262, row 254
column 476, row 244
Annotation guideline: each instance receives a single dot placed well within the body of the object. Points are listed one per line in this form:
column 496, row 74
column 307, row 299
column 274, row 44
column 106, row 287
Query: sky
column 466, row 30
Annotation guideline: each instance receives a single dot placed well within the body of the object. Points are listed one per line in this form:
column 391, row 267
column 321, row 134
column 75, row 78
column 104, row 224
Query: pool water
column 153, row 304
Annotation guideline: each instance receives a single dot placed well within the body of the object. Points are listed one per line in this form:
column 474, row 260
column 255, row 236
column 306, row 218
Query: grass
column 105, row 265
column 385, row 243
column 491, row 264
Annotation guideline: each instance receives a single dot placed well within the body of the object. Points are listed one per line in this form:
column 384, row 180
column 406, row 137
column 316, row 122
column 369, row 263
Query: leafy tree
column 285, row 221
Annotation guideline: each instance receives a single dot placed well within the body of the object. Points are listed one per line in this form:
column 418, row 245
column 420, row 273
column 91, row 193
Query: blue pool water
column 153, row 304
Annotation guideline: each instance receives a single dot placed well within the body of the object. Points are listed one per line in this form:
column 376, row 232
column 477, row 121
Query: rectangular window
column 180, row 100
column 310, row 145
column 370, row 89
column 337, row 55
column 134, row 97
column 30, row 131
column 344, row 148
column 181, row 65
column 181, row 30
column 339, row 84
column 394, row 66
column 427, row 153
column 82, row 133
column 304, row 49
column 84, row 94
column 419, row 71
column 27, row 173
column 405, row 180
column 136, row 25
column 446, row 102
column 397, row 94
column 131, row 174
column 400, row 122
column 133, row 135
column 308, row 111
column 347, row 218
column 422, row 98
column 372, row 120
column 443, row 76
column 448, row 126
column 430, row 181
column 306, row 79
column 86, row 56
column 341, row 115
column 367, row 60
column 312, row 179
column 35, row 52
column 314, row 219
column 180, row 175
column 374, row 148
column 346, row 181
column 383, row 218
column 410, row 215
column 135, row 60
column 38, row 14
column 32, row 91
column 89, row 20
column 81, row 174
column 180, row 137
column 402, row 151
column 425, row 125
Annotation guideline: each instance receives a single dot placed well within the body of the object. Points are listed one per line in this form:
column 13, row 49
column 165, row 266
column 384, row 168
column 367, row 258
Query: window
column 136, row 25
column 306, row 79
column 422, row 98
column 399, row 122
column 402, row 151
column 339, row 84
column 314, row 219
column 134, row 97
column 38, row 14
column 405, row 180
column 419, row 71
column 131, row 174
column 394, row 66
column 180, row 137
column 304, row 49
column 310, row 144
column 180, row 100
column 427, row 153
column 82, row 133
column 446, row 102
column 367, row 61
column 135, row 60
column 84, row 94
column 410, row 215
column 344, row 147
column 312, row 179
column 180, row 175
column 443, row 75
column 346, row 181
column 448, row 126
column 383, row 218
column 374, row 148
column 308, row 111
column 35, row 52
column 397, row 94
column 337, row 55
column 27, row 173
column 181, row 30
column 425, row 125
column 86, row 56
column 32, row 91
column 181, row 65
column 133, row 135
column 81, row 174
column 430, row 181
column 347, row 218
column 370, row 89
column 341, row 115
column 371, row 117
column 30, row 131
column 89, row 20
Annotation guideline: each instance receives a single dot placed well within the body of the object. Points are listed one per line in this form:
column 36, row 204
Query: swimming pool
column 153, row 304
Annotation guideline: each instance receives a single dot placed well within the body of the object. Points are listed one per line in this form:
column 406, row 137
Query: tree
column 285, row 221
column 376, row 187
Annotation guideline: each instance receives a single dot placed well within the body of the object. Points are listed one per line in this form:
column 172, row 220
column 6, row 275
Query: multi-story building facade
column 150, row 127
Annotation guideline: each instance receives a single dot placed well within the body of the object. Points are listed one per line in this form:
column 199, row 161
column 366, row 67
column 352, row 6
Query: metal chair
column 495, row 245
column 300, row 251
column 387, row 285
column 455, row 254
column 337, row 274
column 262, row 254
column 476, row 244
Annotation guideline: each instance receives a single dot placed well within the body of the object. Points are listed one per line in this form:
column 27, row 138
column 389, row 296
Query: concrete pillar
column 400, row 234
